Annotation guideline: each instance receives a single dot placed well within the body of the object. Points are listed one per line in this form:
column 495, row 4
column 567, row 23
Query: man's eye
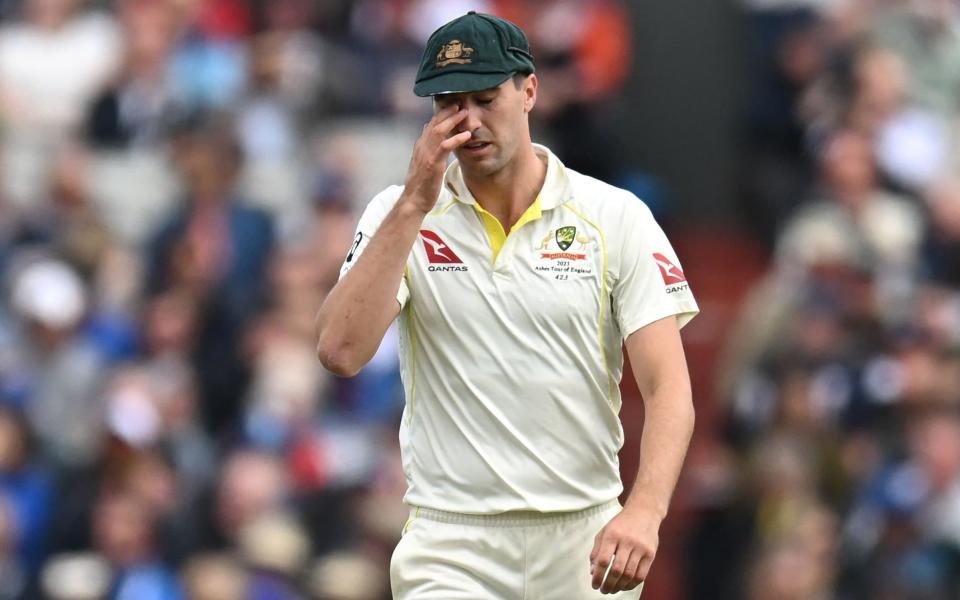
column 483, row 101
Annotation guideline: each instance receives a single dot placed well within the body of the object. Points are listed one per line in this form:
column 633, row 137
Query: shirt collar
column 556, row 188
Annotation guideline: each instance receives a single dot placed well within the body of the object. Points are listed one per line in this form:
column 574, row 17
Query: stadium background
column 179, row 182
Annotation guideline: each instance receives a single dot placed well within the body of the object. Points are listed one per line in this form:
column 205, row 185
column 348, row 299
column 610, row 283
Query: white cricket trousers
column 513, row 556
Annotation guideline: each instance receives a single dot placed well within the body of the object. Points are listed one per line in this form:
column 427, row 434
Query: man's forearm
column 667, row 428
column 357, row 312
column 628, row 544
column 359, row 309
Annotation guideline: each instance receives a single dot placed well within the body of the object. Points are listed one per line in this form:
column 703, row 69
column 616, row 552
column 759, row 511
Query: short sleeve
column 649, row 283
column 370, row 221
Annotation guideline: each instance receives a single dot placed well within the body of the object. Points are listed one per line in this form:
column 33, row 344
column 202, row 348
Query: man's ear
column 530, row 93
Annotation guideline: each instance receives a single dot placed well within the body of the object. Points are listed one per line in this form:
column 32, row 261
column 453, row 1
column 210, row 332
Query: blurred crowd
column 838, row 475
column 179, row 183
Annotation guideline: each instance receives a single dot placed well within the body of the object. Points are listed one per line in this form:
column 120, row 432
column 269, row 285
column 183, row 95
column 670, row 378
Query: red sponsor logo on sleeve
column 671, row 273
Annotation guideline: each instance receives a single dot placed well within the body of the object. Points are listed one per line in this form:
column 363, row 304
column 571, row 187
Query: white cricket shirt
column 511, row 345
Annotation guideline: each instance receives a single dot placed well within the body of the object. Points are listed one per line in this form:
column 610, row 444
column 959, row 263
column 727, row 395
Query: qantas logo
column 439, row 253
column 670, row 272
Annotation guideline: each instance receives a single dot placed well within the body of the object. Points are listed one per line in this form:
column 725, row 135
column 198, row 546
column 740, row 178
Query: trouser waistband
column 518, row 518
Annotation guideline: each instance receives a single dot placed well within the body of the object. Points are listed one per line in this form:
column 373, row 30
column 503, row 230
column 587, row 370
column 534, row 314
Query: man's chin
column 480, row 164
column 483, row 168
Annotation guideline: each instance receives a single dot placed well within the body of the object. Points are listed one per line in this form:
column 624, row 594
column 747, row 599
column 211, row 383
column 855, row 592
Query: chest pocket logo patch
column 565, row 237
column 571, row 259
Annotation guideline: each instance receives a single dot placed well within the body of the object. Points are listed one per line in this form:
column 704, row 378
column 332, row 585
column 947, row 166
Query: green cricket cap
column 472, row 53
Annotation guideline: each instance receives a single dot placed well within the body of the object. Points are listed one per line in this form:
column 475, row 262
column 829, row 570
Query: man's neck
column 509, row 192
column 854, row 198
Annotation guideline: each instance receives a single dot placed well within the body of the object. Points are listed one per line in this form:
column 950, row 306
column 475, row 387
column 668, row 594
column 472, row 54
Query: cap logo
column 454, row 53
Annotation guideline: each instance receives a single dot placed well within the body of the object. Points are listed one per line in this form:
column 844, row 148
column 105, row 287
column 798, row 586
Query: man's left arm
column 630, row 539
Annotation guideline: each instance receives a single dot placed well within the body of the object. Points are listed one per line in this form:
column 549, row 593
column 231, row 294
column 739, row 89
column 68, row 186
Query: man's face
column 497, row 121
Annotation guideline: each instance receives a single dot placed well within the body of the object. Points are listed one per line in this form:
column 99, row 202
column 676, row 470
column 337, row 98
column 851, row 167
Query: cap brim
column 459, row 83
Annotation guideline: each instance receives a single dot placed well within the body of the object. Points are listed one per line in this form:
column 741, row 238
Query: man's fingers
column 444, row 126
column 597, row 540
column 455, row 141
column 439, row 118
column 616, row 576
column 602, row 560
column 630, row 579
column 440, row 115
column 643, row 568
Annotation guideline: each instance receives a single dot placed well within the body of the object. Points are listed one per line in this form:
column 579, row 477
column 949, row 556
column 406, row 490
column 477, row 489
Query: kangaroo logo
column 454, row 53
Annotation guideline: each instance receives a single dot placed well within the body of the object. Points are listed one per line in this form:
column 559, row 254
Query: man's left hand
column 630, row 541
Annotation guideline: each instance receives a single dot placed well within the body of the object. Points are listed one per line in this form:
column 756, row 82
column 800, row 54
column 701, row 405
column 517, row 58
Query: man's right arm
column 359, row 309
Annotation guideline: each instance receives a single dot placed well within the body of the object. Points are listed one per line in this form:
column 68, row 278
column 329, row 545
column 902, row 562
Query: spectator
column 852, row 221
column 268, row 127
column 252, row 485
column 285, row 390
column 583, row 52
column 215, row 577
column 62, row 372
column 26, row 506
column 276, row 549
column 942, row 249
column 924, row 33
column 79, row 576
column 124, row 533
column 216, row 249
column 138, row 107
column 26, row 489
column 788, row 56
column 52, row 63
column 346, row 576
column 209, row 64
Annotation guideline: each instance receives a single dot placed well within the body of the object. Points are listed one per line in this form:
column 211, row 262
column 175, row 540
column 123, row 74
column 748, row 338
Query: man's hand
column 629, row 541
column 429, row 160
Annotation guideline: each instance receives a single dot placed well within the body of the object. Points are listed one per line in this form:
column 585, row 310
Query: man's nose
column 472, row 121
